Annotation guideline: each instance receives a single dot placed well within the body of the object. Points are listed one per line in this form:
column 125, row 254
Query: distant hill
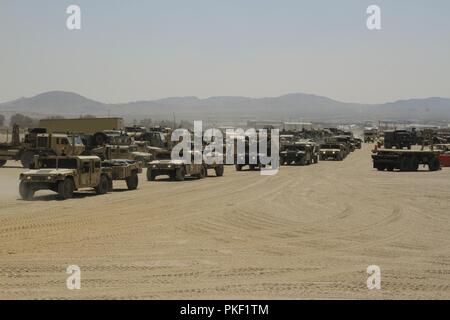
column 291, row 106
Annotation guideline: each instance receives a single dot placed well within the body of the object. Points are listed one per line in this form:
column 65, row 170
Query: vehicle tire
column 414, row 164
column 110, row 185
column 203, row 172
column 180, row 174
column 26, row 191
column 434, row 164
column 2, row 163
column 132, row 181
column 99, row 138
column 340, row 158
column 238, row 167
column 390, row 168
column 381, row 167
column 103, row 185
column 27, row 159
column 405, row 164
column 252, row 167
column 66, row 188
column 151, row 176
column 219, row 170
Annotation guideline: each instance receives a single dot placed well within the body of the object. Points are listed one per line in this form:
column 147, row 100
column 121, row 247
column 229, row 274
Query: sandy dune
column 308, row 232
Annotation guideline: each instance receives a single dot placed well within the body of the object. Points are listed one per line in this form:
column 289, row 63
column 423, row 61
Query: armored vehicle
column 333, row 151
column 405, row 160
column 370, row 135
column 179, row 169
column 64, row 175
column 302, row 153
column 123, row 169
column 358, row 143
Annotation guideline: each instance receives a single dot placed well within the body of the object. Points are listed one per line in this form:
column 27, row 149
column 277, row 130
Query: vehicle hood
column 141, row 154
column 166, row 162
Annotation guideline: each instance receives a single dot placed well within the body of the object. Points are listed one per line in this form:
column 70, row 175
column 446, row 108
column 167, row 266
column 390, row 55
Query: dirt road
column 308, row 232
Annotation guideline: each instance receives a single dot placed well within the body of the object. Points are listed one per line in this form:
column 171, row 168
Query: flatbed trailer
column 405, row 160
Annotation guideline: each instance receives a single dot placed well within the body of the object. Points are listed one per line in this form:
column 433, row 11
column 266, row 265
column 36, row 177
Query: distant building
column 297, row 126
column 263, row 124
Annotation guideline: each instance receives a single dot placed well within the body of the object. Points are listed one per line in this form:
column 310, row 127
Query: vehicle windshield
column 164, row 156
column 76, row 139
column 62, row 163
column 329, row 146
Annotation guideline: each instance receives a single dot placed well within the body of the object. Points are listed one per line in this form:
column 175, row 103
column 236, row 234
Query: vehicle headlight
column 28, row 177
column 154, row 166
column 334, row 152
column 49, row 178
column 169, row 166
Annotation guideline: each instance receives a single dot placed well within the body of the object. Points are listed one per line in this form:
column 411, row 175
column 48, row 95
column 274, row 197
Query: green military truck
column 179, row 169
column 64, row 175
column 300, row 153
column 405, row 160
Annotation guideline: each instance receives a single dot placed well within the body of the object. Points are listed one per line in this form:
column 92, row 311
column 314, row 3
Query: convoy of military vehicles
column 67, row 155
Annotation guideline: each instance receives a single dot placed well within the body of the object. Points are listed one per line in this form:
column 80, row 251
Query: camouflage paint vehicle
column 405, row 160
column 130, row 152
column 333, row 151
column 301, row 153
column 176, row 169
column 125, row 170
column 65, row 175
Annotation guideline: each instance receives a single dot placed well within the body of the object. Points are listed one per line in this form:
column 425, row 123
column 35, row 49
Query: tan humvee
column 64, row 175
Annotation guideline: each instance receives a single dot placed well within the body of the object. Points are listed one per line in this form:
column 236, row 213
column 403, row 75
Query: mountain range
column 294, row 107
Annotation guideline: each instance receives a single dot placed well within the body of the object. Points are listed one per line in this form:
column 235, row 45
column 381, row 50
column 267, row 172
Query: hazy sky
column 136, row 50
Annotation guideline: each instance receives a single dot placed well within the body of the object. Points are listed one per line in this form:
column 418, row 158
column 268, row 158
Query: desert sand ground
column 308, row 232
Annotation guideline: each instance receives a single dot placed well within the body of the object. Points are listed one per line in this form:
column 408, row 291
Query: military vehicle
column 405, row 160
column 64, row 175
column 250, row 158
column 123, row 169
column 398, row 139
column 175, row 169
column 347, row 146
column 347, row 141
column 129, row 152
column 301, row 153
column 370, row 135
column 358, row 143
column 334, row 151
column 36, row 142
